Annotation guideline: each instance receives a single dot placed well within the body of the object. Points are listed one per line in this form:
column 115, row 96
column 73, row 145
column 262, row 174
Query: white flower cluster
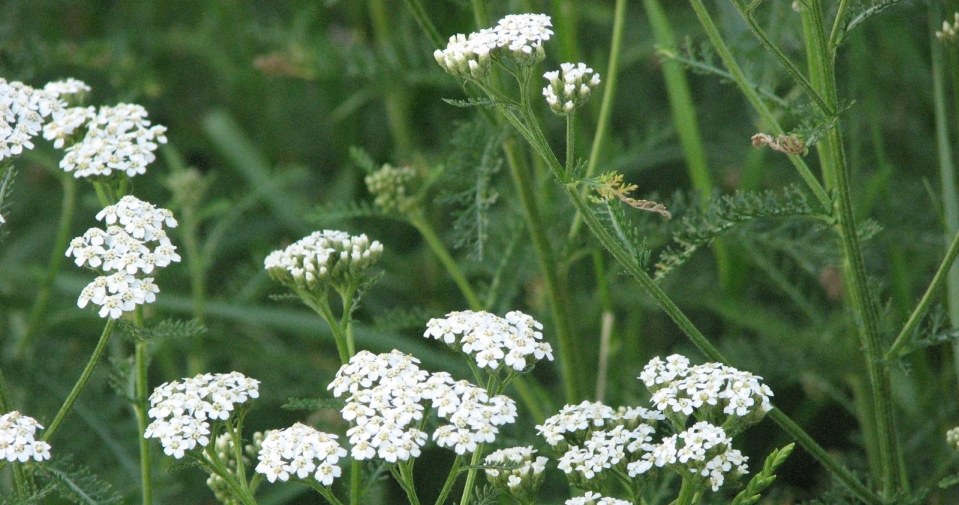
column 514, row 341
column 679, row 388
column 949, row 30
column 389, row 186
column 66, row 123
column 302, row 451
column 18, row 439
column 591, row 498
column 68, row 86
column 118, row 139
column 704, row 451
column 473, row 416
column 124, row 248
column 386, row 402
column 323, row 258
column 607, row 449
column 519, row 37
column 952, row 438
column 573, row 424
column 569, row 87
column 516, row 469
column 182, row 410
column 22, row 113
column 384, row 405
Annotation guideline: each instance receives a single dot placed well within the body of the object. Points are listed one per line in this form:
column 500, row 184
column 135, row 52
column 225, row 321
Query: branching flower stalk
column 524, row 120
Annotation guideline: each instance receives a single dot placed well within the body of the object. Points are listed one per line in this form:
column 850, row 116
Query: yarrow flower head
column 384, row 405
column 323, row 259
column 390, row 187
column 18, row 439
column 300, row 451
column 66, row 87
column 517, row 470
column 472, row 416
column 22, row 113
column 591, row 498
column 514, row 341
column 518, row 37
column 711, row 391
column 133, row 246
column 569, row 87
column 703, row 452
column 182, row 410
column 118, row 139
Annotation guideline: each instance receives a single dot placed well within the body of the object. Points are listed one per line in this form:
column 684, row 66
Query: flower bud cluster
column 18, row 439
column 322, row 259
column 225, row 453
column 591, row 498
column 514, row 341
column 118, row 139
column 949, row 30
column 711, row 391
column 390, row 188
column 517, row 470
column 518, row 37
column 133, row 245
column 182, row 410
column 952, row 438
column 22, row 113
column 302, row 451
column 569, row 87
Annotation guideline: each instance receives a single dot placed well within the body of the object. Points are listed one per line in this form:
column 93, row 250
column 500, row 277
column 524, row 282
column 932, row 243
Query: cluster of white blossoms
column 949, row 30
column 182, row 410
column 66, row 87
column 707, row 389
column 384, row 405
column 473, row 417
column 133, row 245
column 574, row 424
column 516, row 469
column 617, row 447
column 390, row 186
column 18, row 439
column 323, row 258
column 22, row 114
column 514, row 341
column 952, row 438
column 569, row 87
column 591, row 498
column 519, row 37
column 703, row 451
column 302, row 451
column 117, row 139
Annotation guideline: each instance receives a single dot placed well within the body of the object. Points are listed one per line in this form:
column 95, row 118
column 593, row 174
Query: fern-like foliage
column 764, row 478
column 78, row 484
column 474, row 161
column 341, row 211
column 699, row 228
column 614, row 216
column 6, row 187
column 862, row 13
column 35, row 497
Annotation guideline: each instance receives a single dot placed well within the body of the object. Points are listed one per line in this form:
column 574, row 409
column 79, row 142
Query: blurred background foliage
column 264, row 101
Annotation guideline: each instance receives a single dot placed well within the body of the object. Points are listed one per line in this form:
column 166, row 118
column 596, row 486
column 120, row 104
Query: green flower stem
column 752, row 96
column 450, row 480
column 324, row 491
column 397, row 101
column 140, row 409
column 236, row 436
column 82, row 381
column 629, row 262
column 746, row 11
column 471, row 475
column 831, row 154
column 355, row 482
column 452, row 268
column 322, row 308
column 686, row 493
column 606, row 106
column 68, row 207
column 197, row 265
column 938, row 280
column 555, row 287
column 403, row 473
column 215, row 465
